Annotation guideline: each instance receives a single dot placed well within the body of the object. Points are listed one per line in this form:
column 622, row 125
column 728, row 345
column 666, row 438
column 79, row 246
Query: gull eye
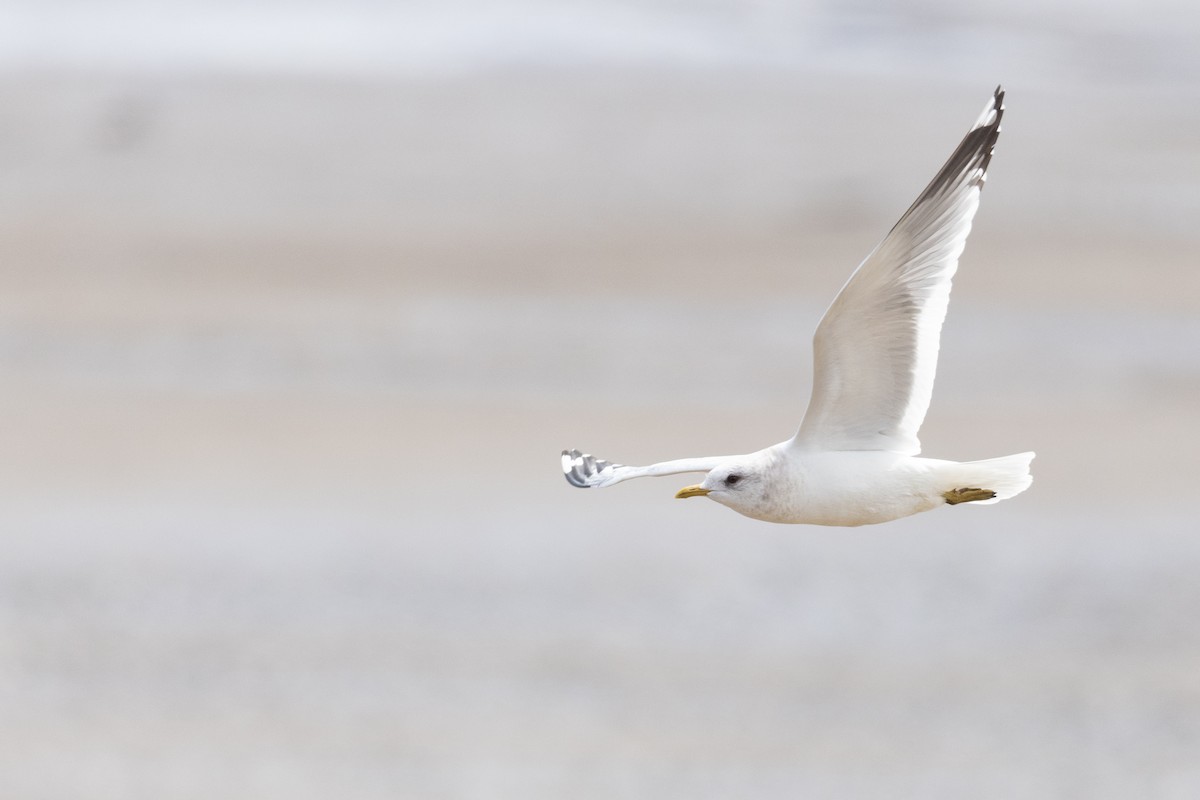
column 732, row 480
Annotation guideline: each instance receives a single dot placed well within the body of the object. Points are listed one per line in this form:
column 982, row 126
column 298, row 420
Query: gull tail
column 989, row 481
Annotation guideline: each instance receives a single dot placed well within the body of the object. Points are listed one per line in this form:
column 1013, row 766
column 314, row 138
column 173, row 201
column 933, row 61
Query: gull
column 855, row 458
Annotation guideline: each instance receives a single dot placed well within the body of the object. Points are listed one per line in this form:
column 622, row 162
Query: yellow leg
column 956, row 496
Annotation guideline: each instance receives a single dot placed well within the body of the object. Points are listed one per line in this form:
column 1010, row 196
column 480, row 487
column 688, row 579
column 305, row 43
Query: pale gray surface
column 294, row 329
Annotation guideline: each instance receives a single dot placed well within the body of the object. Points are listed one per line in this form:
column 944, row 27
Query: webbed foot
column 956, row 496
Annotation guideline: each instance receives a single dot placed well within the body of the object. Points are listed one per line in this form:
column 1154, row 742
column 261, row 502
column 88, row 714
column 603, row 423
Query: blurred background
column 302, row 300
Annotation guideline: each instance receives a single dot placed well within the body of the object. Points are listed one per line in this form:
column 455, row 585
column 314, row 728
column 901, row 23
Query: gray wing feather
column 875, row 351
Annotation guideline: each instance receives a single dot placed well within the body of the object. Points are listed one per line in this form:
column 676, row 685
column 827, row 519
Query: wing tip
column 584, row 471
column 992, row 111
column 970, row 161
column 572, row 460
column 990, row 120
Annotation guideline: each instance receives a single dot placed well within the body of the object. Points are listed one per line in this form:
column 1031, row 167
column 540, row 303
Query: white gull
column 854, row 460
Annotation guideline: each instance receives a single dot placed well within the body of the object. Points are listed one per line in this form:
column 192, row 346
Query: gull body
column 855, row 458
column 853, row 487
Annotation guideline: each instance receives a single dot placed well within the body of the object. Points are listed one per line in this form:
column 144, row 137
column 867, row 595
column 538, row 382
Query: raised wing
column 587, row 472
column 875, row 351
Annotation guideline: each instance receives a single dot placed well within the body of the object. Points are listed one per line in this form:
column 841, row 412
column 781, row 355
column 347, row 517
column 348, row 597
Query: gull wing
column 875, row 351
column 586, row 471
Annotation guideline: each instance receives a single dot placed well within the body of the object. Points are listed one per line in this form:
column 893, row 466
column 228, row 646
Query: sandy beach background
column 301, row 302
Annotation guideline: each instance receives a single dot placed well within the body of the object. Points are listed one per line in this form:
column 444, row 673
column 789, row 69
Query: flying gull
column 854, row 460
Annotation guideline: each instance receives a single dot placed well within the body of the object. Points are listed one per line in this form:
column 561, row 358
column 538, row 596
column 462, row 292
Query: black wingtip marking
column 571, row 463
column 580, row 468
column 993, row 129
column 971, row 158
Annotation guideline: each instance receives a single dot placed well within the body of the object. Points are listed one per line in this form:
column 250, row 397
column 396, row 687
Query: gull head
column 741, row 485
